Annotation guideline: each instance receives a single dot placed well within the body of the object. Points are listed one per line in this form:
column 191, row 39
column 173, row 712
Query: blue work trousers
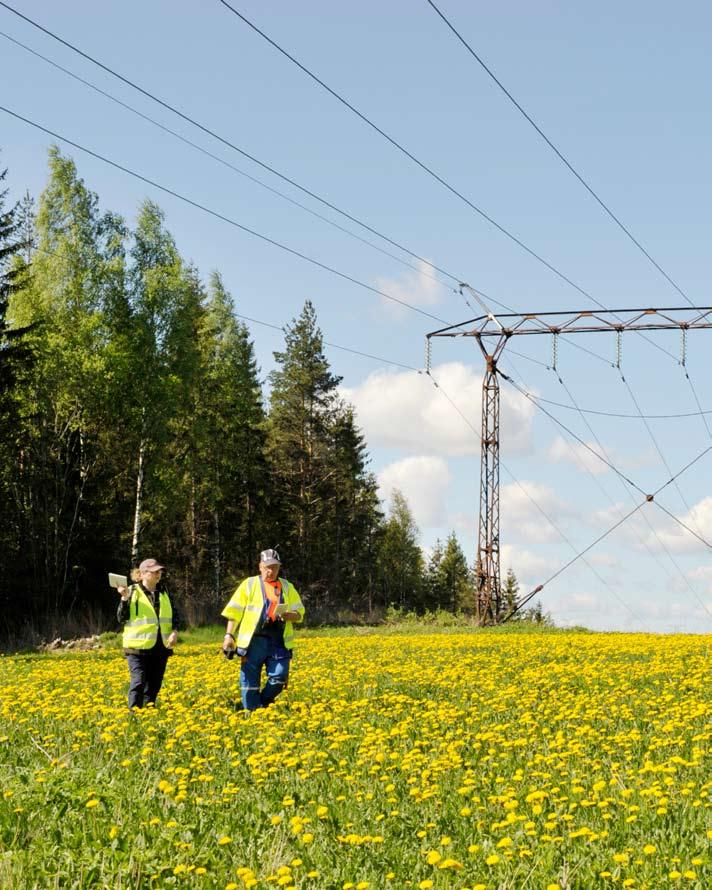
column 266, row 652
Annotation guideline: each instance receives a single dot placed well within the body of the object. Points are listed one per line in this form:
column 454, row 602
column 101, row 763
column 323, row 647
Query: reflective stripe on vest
column 141, row 630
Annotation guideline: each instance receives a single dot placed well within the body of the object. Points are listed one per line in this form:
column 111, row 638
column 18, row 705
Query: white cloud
column 424, row 481
column 518, row 507
column 579, row 455
column 419, row 288
column 702, row 575
column 699, row 519
column 530, row 568
column 403, row 409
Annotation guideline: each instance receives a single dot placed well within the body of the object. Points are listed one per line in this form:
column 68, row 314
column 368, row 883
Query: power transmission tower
column 492, row 334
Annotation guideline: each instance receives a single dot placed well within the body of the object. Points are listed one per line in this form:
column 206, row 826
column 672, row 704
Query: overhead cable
column 420, row 270
column 223, row 140
column 558, row 153
column 421, row 164
column 220, row 216
column 540, row 509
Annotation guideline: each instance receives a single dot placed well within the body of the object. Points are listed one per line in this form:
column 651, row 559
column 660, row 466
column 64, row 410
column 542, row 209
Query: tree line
column 133, row 422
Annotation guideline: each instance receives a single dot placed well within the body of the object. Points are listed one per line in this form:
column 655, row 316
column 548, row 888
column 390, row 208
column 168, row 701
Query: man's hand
column 123, row 592
column 228, row 641
column 172, row 639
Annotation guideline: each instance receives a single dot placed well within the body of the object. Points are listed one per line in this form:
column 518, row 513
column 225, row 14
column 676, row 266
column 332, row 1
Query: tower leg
column 488, row 587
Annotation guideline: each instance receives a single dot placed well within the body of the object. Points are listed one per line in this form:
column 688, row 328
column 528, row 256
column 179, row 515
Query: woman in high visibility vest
column 149, row 620
column 260, row 618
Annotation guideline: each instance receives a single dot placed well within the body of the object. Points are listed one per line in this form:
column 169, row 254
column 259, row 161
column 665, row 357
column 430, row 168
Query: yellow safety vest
column 246, row 605
column 141, row 629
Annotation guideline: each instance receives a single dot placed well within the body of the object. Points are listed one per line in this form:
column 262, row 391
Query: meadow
column 430, row 760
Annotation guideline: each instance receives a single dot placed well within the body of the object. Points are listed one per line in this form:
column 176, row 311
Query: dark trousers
column 146, row 670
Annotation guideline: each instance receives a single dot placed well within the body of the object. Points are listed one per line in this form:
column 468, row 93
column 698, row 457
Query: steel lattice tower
column 497, row 330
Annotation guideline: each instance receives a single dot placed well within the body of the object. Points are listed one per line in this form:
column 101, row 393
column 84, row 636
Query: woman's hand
column 123, row 592
column 172, row 639
column 289, row 616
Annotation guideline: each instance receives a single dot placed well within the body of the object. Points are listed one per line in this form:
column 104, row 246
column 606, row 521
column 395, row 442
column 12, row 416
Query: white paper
column 118, row 580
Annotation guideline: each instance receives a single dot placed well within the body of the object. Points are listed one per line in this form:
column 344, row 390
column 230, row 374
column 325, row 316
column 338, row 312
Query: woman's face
column 150, row 579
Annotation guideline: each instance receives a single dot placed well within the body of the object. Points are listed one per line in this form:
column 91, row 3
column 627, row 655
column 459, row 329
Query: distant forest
column 133, row 423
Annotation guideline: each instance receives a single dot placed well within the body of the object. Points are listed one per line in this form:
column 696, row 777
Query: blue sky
column 622, row 90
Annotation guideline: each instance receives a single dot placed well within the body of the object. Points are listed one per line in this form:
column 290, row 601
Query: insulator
column 554, row 350
column 619, row 349
column 683, row 346
column 427, row 355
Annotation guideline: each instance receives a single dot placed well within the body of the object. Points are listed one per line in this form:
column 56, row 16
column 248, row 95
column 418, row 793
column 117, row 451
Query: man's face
column 269, row 573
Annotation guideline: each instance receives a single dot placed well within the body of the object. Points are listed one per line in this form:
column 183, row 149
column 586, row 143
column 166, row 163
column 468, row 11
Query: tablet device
column 118, row 580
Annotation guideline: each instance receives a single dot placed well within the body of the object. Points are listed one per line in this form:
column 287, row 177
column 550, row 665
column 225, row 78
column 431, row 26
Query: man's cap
column 270, row 558
column 150, row 565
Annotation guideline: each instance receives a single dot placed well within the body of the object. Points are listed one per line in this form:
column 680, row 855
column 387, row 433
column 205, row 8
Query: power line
column 220, row 216
column 224, row 141
column 558, row 153
column 376, row 358
column 409, row 154
column 237, row 170
column 252, row 158
column 424, row 166
column 652, row 529
column 700, row 413
column 578, row 554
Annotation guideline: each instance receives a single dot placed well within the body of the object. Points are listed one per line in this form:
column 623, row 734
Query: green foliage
column 400, row 559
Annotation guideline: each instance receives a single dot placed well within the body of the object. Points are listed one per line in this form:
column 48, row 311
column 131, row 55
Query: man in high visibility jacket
column 260, row 625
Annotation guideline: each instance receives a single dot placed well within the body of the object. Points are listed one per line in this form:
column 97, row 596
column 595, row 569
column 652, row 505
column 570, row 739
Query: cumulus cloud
column 699, row 519
column 403, row 409
column 530, row 568
column 424, row 481
column 419, row 288
column 579, row 455
column 518, row 506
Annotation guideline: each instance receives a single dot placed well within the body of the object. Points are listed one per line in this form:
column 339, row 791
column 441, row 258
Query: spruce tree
column 231, row 437
column 400, row 559
column 303, row 405
column 510, row 595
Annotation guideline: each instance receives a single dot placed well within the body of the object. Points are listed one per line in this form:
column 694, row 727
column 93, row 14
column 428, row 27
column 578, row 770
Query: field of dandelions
column 443, row 760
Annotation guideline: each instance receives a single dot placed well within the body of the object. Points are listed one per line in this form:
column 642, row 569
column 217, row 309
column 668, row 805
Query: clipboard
column 281, row 609
column 118, row 580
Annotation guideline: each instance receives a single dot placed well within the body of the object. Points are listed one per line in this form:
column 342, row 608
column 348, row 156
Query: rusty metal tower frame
column 492, row 334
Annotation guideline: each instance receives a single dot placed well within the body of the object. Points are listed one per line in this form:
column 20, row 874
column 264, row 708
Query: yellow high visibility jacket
column 246, row 605
column 141, row 629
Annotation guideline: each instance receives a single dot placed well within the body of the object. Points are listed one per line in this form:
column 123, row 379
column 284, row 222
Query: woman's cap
column 270, row 558
column 150, row 565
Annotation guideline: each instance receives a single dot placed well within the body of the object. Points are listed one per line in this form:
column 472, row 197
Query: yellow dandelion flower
column 224, row 840
column 92, row 803
column 433, row 857
column 450, row 863
column 493, row 859
column 425, row 885
column 649, row 849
